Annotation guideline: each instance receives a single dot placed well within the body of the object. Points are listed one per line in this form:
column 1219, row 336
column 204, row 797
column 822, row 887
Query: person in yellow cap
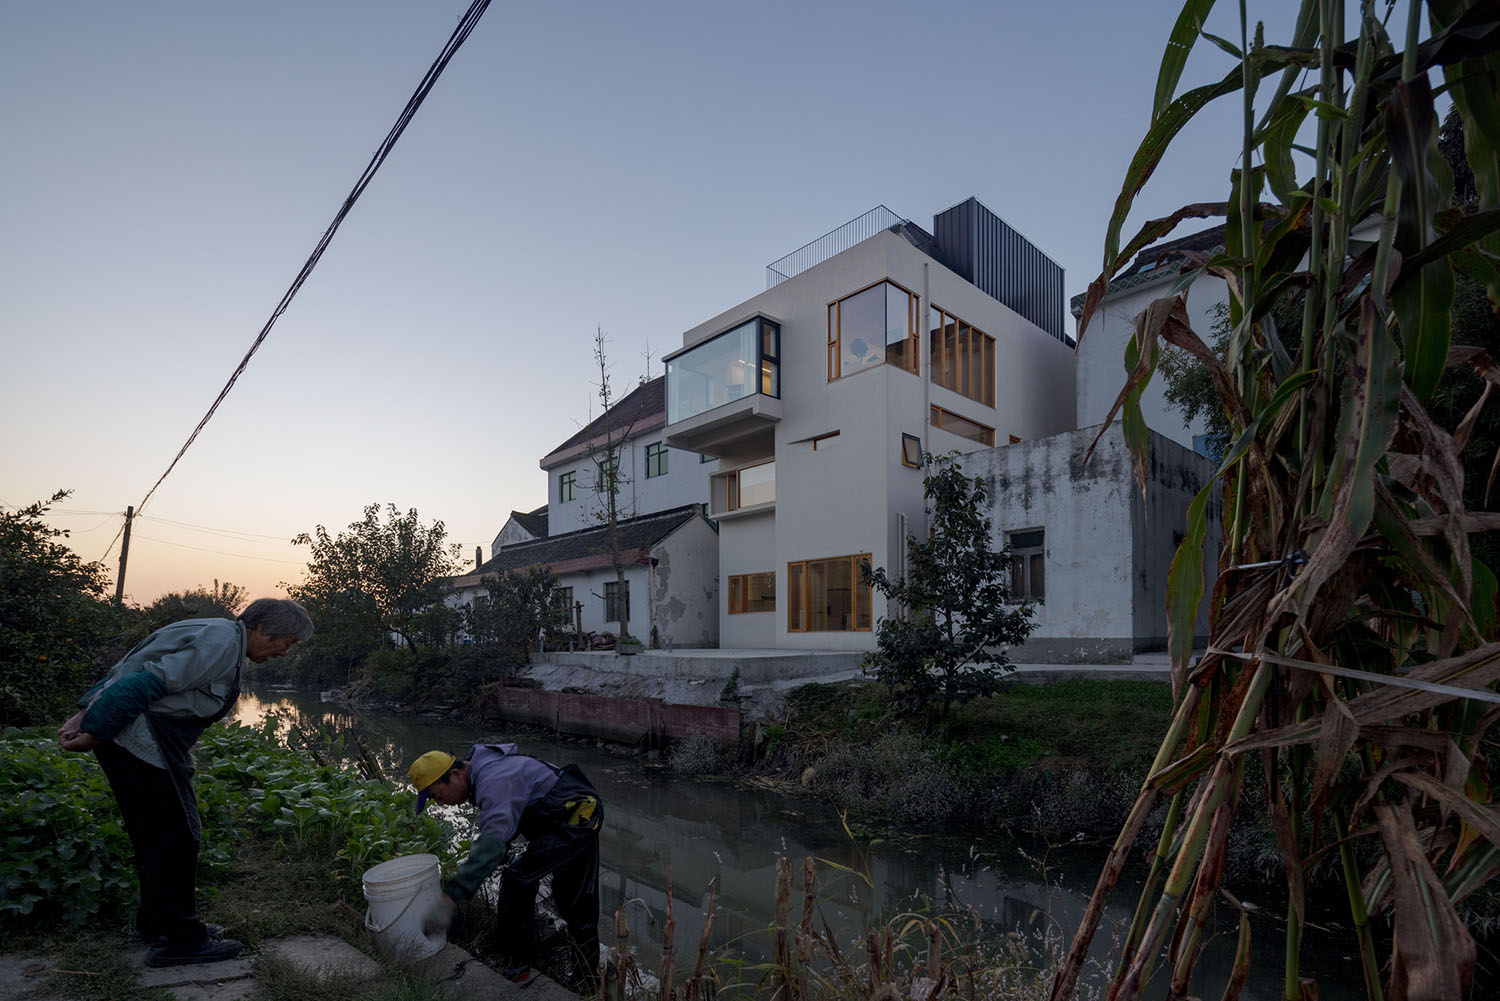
column 559, row 813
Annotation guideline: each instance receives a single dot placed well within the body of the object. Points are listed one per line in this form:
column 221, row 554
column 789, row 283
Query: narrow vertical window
column 567, row 486
column 656, row 459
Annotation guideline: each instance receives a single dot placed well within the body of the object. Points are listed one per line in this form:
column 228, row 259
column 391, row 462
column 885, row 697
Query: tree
column 1354, row 643
column 950, row 647
column 222, row 601
column 57, row 626
column 516, row 607
column 606, row 452
column 376, row 577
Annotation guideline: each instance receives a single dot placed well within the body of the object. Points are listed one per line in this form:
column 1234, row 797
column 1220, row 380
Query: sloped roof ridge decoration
column 635, row 534
column 645, row 400
column 1164, row 255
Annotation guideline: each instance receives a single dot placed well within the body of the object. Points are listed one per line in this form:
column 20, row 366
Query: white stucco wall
column 1106, row 550
column 1101, row 353
column 747, row 544
column 843, row 497
column 685, row 482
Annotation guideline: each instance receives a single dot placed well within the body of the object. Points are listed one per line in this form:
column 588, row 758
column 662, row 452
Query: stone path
column 460, row 976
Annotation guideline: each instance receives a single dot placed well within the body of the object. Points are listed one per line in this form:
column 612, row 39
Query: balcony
column 726, row 389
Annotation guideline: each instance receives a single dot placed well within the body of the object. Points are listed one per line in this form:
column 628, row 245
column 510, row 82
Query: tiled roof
column 582, row 549
column 1153, row 262
column 534, row 522
column 647, row 400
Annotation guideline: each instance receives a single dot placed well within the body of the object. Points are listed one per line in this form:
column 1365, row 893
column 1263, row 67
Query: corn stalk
column 1353, row 637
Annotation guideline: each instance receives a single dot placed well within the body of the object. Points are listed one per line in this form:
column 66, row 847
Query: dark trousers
column 166, row 851
column 571, row 856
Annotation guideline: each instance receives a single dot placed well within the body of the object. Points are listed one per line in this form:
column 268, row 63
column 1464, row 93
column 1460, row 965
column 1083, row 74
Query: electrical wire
column 460, row 35
column 227, row 532
column 217, row 552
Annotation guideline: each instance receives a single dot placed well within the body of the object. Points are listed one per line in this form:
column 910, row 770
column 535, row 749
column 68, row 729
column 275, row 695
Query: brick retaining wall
column 626, row 721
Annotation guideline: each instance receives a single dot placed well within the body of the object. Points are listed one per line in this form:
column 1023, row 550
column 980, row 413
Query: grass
column 1074, row 723
column 1053, row 760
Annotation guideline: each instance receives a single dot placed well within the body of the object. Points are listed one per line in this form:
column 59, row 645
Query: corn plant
column 1353, row 640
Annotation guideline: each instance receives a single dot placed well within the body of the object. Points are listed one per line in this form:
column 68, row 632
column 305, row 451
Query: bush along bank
column 285, row 840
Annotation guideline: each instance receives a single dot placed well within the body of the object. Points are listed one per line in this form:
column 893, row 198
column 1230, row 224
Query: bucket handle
column 369, row 926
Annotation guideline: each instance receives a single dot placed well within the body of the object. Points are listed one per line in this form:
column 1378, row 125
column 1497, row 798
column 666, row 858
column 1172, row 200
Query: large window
column 752, row 592
column 963, row 357
column 656, row 459
column 616, row 600
column 875, row 326
column 567, row 486
column 750, row 486
column 734, row 364
column 962, row 426
column 1028, row 572
column 827, row 596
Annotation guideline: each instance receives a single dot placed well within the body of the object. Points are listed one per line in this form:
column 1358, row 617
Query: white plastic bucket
column 399, row 894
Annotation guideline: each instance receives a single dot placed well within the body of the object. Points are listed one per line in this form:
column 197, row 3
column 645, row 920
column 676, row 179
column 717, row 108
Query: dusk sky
column 168, row 168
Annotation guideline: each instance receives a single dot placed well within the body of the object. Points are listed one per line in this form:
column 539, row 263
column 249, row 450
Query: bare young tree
column 605, row 444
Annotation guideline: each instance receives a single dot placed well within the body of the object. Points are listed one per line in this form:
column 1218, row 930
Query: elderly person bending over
column 141, row 722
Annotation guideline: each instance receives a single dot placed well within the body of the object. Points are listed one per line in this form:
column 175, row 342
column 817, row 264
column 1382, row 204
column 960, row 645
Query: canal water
column 713, row 835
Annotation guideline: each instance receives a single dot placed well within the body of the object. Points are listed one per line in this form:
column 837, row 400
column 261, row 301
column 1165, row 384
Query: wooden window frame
column 732, row 485
column 567, row 486
column 804, row 595
column 936, row 417
column 913, row 331
column 952, row 364
column 656, row 453
column 739, row 592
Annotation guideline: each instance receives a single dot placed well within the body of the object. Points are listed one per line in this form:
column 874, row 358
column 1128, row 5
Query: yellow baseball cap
column 426, row 770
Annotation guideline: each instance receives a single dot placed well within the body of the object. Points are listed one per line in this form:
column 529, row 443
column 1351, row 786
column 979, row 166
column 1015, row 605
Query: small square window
column 911, row 451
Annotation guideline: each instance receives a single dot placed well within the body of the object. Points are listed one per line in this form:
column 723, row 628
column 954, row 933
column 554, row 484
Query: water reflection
column 708, row 834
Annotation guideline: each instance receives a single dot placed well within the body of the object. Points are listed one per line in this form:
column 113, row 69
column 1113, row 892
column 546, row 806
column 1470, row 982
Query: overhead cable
column 460, row 35
column 220, row 552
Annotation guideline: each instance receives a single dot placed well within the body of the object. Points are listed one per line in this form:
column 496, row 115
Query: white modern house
column 874, row 345
column 783, row 449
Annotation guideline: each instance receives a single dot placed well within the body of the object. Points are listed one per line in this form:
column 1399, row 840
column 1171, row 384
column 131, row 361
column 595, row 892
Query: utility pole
column 124, row 555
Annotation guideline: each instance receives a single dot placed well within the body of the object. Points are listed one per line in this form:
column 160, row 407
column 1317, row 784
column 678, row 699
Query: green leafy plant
column 950, row 644
column 67, row 857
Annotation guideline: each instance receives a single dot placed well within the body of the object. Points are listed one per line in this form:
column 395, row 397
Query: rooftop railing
column 835, row 242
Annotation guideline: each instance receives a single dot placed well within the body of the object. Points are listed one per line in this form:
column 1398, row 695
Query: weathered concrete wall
column 684, row 588
column 755, row 666
column 1176, row 475
column 1106, row 551
column 1085, row 513
column 629, row 721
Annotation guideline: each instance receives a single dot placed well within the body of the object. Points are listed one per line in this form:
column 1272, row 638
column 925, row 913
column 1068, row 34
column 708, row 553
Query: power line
column 460, row 35
column 216, row 552
column 228, row 532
